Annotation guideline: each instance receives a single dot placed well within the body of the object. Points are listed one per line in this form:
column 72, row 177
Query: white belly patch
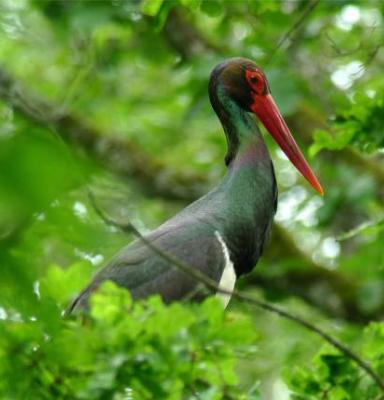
column 228, row 277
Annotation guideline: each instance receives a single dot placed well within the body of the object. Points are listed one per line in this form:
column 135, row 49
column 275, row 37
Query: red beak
column 266, row 110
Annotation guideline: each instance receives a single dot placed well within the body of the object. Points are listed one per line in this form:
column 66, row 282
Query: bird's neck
column 248, row 191
column 245, row 143
column 250, row 178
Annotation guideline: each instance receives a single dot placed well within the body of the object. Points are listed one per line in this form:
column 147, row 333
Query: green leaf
column 109, row 301
column 213, row 8
column 191, row 4
column 324, row 140
column 150, row 7
column 62, row 284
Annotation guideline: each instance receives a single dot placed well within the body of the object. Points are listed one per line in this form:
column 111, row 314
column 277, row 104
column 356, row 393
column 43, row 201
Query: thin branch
column 371, row 53
column 128, row 227
column 126, row 159
column 371, row 56
column 295, row 27
column 378, row 223
column 339, row 52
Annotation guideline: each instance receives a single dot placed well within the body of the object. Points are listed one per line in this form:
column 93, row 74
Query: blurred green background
column 112, row 96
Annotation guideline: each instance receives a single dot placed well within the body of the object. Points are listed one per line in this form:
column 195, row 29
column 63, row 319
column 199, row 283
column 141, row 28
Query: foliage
column 333, row 376
column 359, row 124
column 112, row 95
column 141, row 350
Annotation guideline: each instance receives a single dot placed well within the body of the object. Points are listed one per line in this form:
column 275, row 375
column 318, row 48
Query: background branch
column 113, row 94
column 125, row 158
column 122, row 156
column 296, row 26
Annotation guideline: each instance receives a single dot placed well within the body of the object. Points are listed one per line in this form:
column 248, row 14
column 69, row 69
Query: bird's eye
column 256, row 81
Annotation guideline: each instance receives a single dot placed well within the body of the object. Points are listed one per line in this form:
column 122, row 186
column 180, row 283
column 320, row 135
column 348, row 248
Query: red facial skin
column 267, row 112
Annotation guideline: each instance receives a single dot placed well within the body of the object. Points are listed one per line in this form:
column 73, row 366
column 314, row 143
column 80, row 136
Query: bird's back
column 214, row 232
column 144, row 272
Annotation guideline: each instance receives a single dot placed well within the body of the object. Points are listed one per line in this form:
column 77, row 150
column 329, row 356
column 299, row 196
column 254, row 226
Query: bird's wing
column 141, row 270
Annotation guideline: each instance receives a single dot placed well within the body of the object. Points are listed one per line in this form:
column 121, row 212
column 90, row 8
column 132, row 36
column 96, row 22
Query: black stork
column 223, row 233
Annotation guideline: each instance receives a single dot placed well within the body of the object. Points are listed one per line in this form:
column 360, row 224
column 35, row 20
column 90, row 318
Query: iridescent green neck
column 244, row 140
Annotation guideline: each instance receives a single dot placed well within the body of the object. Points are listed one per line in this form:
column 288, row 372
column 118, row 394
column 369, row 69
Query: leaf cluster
column 358, row 124
column 120, row 349
column 135, row 73
column 333, row 376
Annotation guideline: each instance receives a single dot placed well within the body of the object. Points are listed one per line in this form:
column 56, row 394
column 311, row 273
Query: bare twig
column 296, row 25
column 128, row 227
column 339, row 52
column 371, row 56
column 371, row 53
column 378, row 223
column 126, row 159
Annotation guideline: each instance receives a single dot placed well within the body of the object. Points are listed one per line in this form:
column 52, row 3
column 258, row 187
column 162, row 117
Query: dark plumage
column 234, row 217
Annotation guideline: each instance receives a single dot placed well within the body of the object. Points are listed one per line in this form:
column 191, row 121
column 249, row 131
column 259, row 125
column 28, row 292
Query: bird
column 223, row 233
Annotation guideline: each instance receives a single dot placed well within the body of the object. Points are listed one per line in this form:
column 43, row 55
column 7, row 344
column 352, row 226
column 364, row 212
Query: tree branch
column 122, row 156
column 126, row 159
column 305, row 120
column 330, row 291
column 297, row 24
column 128, row 227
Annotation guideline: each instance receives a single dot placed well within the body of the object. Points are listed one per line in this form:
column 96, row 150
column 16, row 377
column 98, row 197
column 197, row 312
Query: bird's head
column 247, row 85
